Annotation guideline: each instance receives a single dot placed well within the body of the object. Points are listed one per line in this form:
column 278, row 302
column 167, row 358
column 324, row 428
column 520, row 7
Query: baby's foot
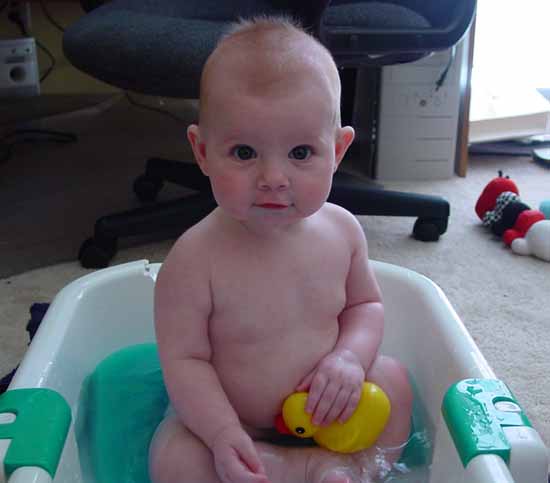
column 336, row 476
column 324, row 467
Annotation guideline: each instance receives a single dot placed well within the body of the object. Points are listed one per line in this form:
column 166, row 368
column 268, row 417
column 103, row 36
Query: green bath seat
column 123, row 401
column 121, row 404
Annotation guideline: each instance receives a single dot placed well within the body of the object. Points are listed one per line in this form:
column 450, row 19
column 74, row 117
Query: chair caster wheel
column 97, row 254
column 147, row 188
column 429, row 229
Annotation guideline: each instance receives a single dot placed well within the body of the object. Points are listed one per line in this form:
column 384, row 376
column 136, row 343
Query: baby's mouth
column 272, row 206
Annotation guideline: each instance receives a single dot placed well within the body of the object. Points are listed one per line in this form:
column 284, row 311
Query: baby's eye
column 300, row 152
column 243, row 152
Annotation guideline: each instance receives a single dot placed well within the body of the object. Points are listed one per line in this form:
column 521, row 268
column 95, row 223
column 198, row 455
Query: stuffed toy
column 488, row 198
column 507, row 209
column 524, row 221
column 536, row 241
column 501, row 210
column 545, row 208
column 509, row 217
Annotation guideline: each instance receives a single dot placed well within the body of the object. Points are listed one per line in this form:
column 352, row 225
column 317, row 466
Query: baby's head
column 270, row 91
column 268, row 56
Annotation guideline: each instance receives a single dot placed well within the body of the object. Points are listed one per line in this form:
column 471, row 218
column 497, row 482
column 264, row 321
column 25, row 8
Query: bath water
column 122, row 402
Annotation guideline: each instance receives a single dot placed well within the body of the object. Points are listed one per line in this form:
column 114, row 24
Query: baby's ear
column 344, row 138
column 198, row 147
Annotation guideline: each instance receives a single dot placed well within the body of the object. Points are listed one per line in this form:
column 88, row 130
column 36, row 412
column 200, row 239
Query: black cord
column 20, row 136
column 52, row 60
column 49, row 16
column 443, row 75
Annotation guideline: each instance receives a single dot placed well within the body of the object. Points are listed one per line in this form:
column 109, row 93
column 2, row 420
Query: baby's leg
column 393, row 378
column 374, row 464
column 176, row 455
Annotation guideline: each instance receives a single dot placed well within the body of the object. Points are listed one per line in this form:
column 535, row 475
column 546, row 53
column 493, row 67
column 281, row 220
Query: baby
column 272, row 292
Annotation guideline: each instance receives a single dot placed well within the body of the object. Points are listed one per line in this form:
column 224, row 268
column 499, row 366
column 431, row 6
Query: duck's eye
column 243, row 152
column 300, row 152
column 300, row 430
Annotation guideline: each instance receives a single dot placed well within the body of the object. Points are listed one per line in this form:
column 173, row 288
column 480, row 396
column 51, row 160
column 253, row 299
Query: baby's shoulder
column 341, row 218
column 345, row 227
column 193, row 245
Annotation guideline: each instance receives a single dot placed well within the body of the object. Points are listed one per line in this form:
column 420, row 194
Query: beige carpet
column 50, row 196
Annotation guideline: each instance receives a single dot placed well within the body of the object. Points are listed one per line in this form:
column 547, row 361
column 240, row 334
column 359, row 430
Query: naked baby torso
column 275, row 315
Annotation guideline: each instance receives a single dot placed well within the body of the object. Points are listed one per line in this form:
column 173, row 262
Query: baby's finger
column 351, row 405
column 326, row 402
column 315, row 392
column 305, row 383
column 338, row 406
column 237, row 472
column 250, row 458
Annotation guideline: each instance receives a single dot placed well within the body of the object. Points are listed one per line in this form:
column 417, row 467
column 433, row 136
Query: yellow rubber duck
column 359, row 432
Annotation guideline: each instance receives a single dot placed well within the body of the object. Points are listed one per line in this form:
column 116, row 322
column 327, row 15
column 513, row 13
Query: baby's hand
column 335, row 387
column 236, row 459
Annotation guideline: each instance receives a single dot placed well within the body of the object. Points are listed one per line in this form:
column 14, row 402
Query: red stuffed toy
column 521, row 227
column 501, row 210
column 488, row 198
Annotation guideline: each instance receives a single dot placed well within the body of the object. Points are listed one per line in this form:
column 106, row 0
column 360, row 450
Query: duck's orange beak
column 280, row 425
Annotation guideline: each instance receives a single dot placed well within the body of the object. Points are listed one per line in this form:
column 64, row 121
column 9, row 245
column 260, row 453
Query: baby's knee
column 170, row 441
column 393, row 376
column 159, row 449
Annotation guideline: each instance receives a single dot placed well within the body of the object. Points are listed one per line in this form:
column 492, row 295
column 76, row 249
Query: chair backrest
column 119, row 42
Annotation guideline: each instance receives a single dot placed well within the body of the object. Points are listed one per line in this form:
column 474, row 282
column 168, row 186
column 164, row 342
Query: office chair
column 158, row 47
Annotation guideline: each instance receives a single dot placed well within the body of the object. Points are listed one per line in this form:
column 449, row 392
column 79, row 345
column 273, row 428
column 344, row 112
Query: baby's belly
column 258, row 379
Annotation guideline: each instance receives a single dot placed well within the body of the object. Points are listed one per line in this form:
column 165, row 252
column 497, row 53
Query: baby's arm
column 335, row 384
column 362, row 320
column 182, row 310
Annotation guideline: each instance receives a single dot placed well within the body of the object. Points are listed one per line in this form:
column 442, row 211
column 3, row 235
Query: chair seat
column 374, row 15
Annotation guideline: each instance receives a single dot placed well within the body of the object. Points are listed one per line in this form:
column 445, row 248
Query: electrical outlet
column 19, row 68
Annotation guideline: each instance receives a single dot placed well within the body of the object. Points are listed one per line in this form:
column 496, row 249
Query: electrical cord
column 20, row 136
column 49, row 16
column 445, row 72
column 51, row 57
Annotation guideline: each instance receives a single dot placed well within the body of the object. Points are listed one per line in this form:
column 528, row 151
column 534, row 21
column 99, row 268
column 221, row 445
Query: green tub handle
column 476, row 412
column 38, row 433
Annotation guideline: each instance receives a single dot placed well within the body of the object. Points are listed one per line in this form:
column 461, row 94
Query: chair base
column 432, row 212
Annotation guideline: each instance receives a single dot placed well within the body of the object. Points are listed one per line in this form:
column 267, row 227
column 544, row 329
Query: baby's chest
column 264, row 297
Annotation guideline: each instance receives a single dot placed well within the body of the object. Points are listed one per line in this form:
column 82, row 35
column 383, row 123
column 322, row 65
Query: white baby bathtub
column 481, row 436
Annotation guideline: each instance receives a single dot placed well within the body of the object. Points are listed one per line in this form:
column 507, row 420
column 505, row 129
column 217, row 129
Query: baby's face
column 271, row 157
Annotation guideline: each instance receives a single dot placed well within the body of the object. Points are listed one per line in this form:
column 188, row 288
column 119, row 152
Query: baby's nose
column 273, row 177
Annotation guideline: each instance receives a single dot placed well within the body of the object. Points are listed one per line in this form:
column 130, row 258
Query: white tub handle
column 30, row 474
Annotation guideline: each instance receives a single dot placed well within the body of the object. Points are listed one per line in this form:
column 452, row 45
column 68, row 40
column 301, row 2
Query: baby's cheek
column 230, row 190
column 316, row 193
column 226, row 185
